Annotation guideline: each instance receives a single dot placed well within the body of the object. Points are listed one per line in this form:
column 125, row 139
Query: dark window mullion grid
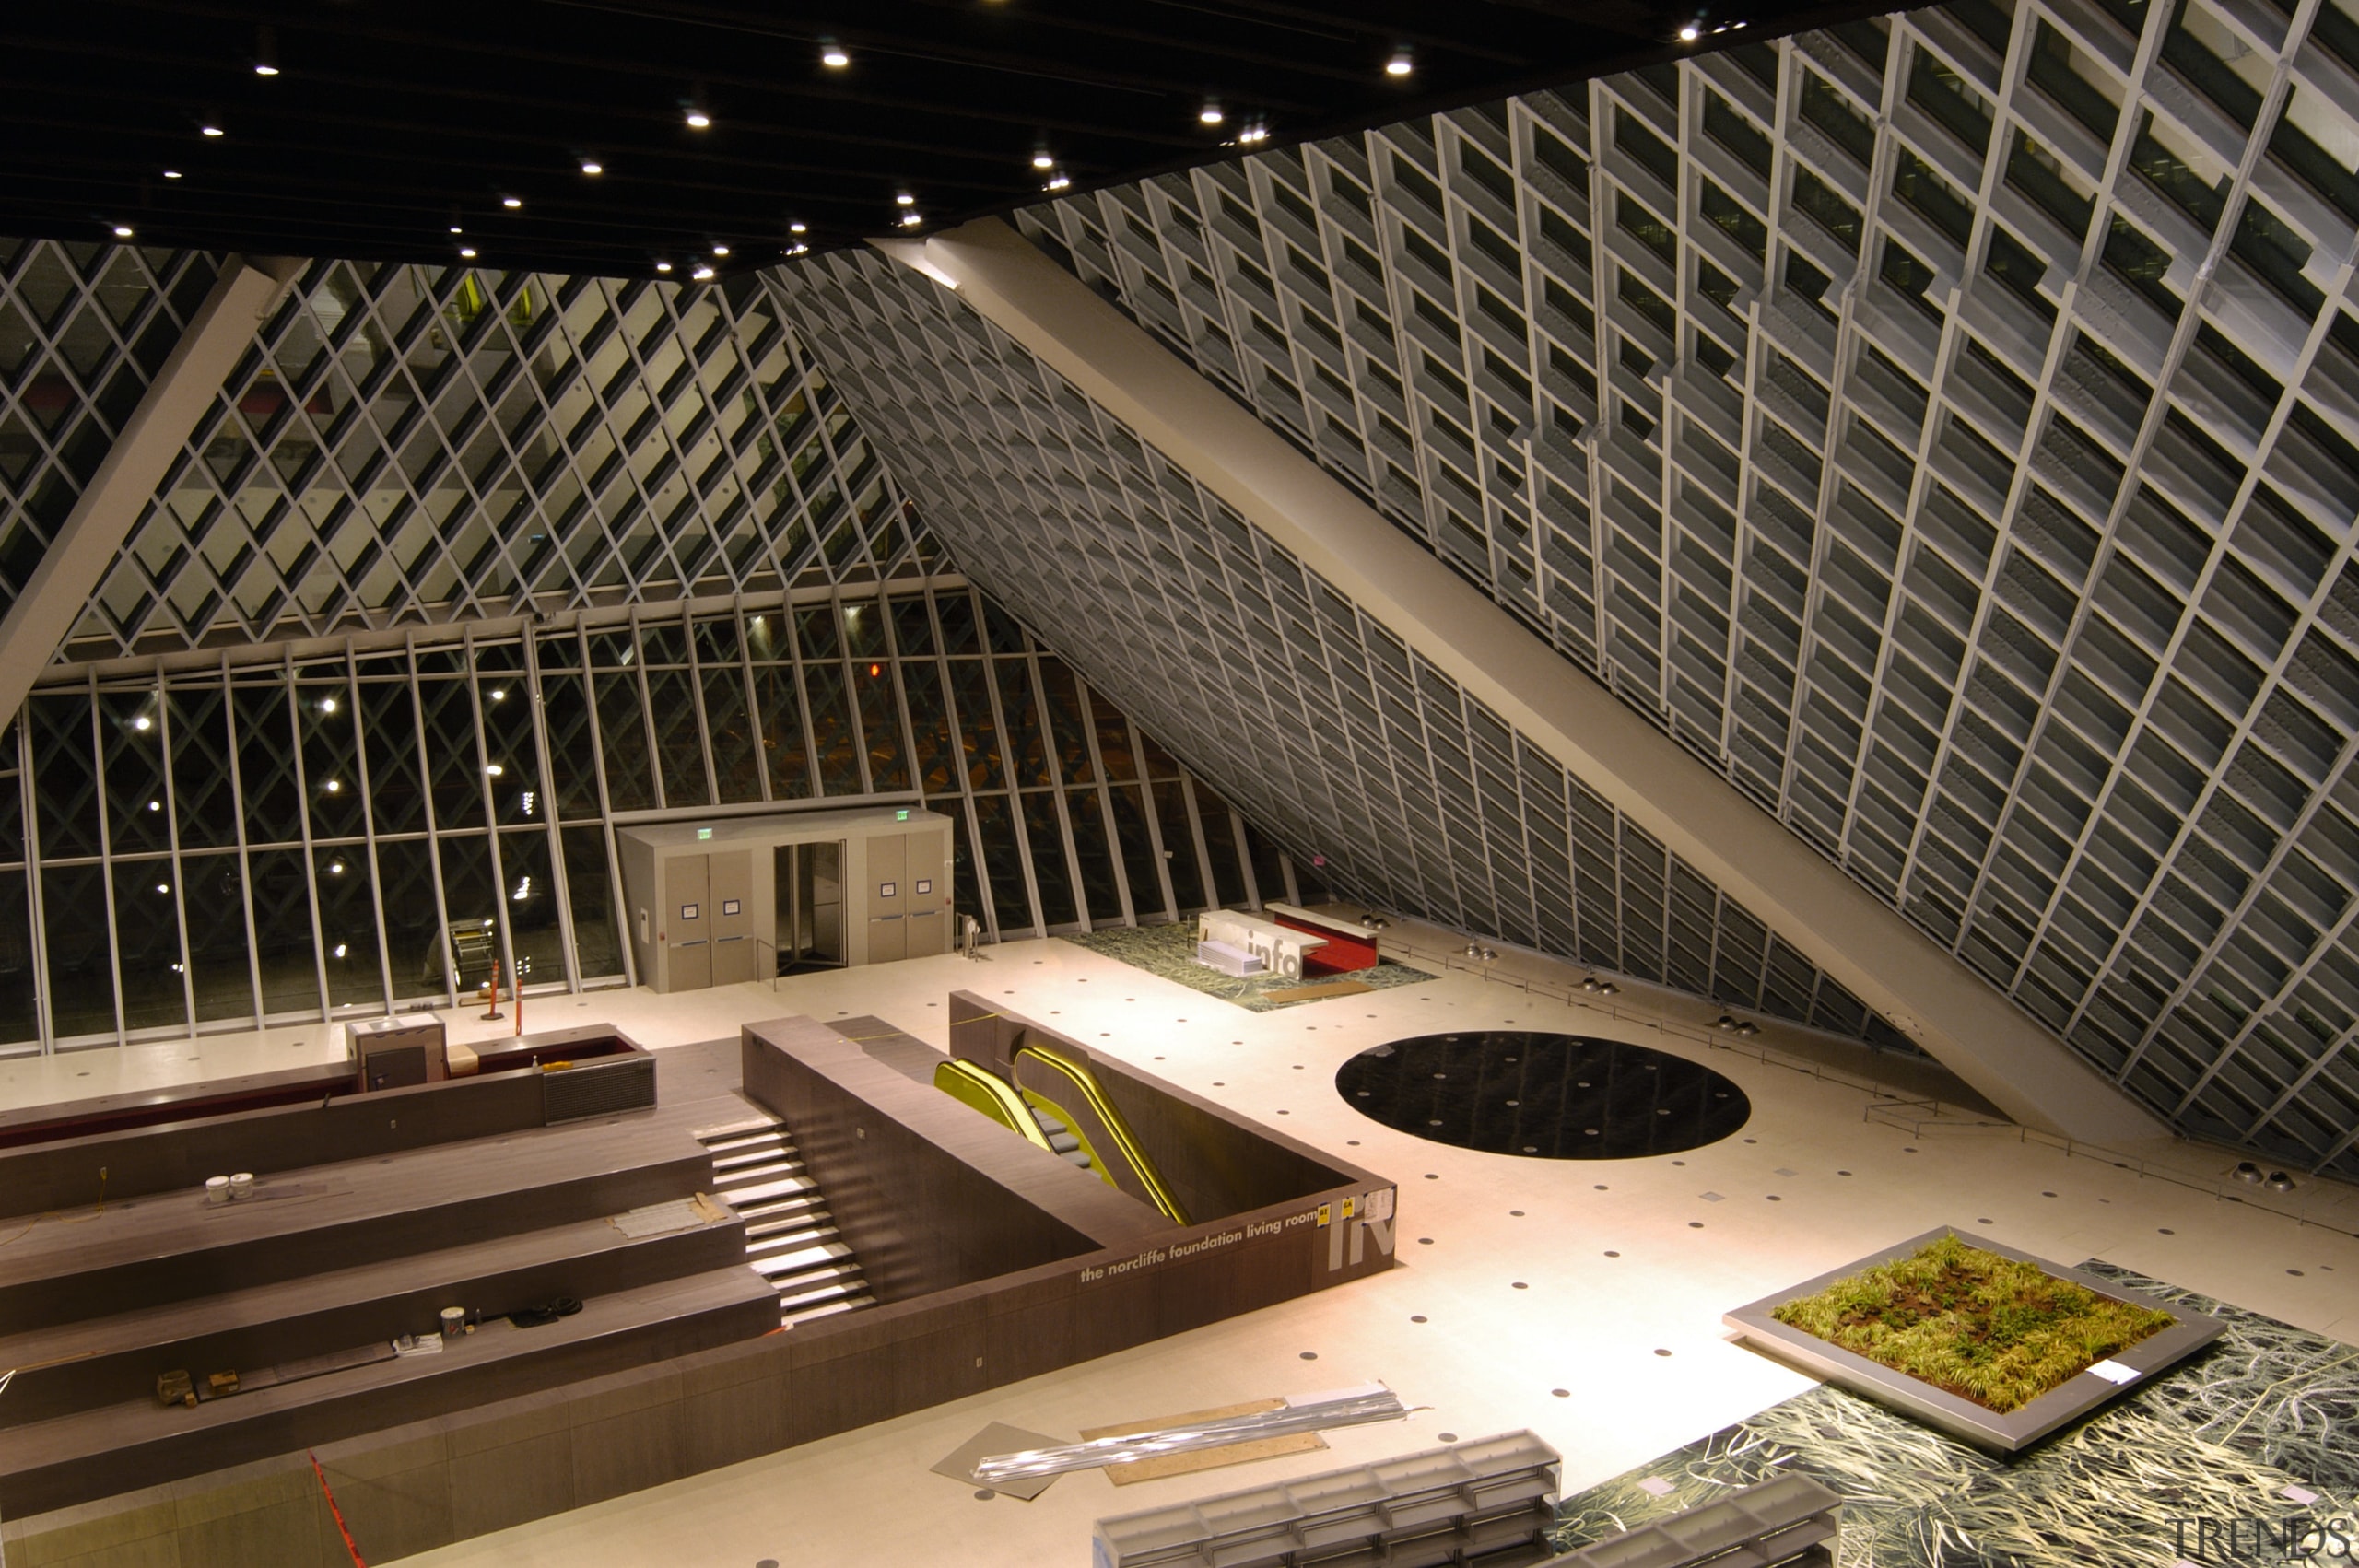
column 1154, row 821
column 368, row 828
column 1041, row 705
column 503, row 918
column 303, row 818
column 433, row 839
column 1007, row 769
column 1196, row 835
column 646, row 706
column 560, row 889
column 172, row 836
column 755, row 735
column 695, row 668
column 1103, row 793
column 245, row 858
column 106, row 846
column 986, row 911
column 618, row 906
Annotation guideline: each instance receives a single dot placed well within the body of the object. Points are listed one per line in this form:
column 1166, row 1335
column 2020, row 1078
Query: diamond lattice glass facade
column 1945, row 426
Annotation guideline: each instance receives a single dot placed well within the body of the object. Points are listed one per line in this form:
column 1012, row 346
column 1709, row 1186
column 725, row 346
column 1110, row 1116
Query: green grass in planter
column 1982, row 1327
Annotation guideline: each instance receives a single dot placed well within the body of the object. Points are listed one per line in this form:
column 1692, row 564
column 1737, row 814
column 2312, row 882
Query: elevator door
column 687, row 924
column 888, row 898
column 808, row 879
column 730, row 885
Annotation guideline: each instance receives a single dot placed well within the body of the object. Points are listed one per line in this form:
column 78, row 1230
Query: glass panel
column 765, row 638
column 388, row 735
column 472, row 900
column 880, row 720
column 19, row 1019
column 1067, row 728
column 975, row 722
column 266, row 764
column 147, row 945
column 1138, row 853
column 573, row 765
column 815, row 626
column 348, row 925
column 863, row 631
column 1220, row 845
column 736, row 763
column 1269, row 868
column 65, row 790
column 453, row 768
column 1049, row 872
column 1178, row 843
column 832, row 730
column 780, row 702
column 12, row 807
column 622, row 727
column 536, row 929
column 680, row 747
column 913, row 628
column 1098, row 885
column 213, row 893
column 967, row 899
column 331, row 761
column 1004, row 865
column 1028, row 752
column 1113, row 739
column 283, row 947
column 929, row 724
column 511, row 755
column 81, row 973
column 413, row 928
column 597, row 949
column 133, row 743
column 957, row 611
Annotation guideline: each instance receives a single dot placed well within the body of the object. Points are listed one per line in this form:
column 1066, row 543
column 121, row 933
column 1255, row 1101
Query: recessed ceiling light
column 910, row 220
column 143, row 722
column 1211, row 114
column 1057, row 181
column 122, row 231
column 511, row 202
column 905, row 199
column 1044, row 159
column 591, row 165
column 702, row 274
column 832, row 55
column 172, row 175
column 456, row 229
column 265, row 52
column 263, row 69
column 718, row 250
column 797, row 249
column 1401, row 64
column 211, row 131
column 663, row 266
column 1256, row 131
column 469, row 251
column 1690, row 33
column 698, row 120
column 797, row 227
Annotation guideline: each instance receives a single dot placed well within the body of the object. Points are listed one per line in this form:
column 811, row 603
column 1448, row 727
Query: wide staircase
column 790, row 1239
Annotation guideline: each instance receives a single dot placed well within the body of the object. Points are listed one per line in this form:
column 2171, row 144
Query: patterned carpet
column 1171, row 951
column 2223, row 1437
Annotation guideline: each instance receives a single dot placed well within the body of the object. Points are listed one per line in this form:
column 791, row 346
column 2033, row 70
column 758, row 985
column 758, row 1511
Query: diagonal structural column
column 1867, row 946
column 60, row 588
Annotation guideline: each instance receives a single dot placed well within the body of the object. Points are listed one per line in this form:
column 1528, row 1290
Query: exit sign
column 703, row 833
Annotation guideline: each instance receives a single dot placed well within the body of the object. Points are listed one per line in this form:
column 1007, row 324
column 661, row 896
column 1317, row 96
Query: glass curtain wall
column 342, row 833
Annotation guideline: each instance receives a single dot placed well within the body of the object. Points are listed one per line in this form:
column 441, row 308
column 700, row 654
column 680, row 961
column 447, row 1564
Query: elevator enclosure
column 726, row 900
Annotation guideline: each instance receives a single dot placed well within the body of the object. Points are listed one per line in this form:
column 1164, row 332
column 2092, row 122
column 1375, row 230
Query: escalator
column 1057, row 1104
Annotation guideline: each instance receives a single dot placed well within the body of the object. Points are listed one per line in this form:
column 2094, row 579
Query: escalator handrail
column 1086, row 1081
column 1014, row 1113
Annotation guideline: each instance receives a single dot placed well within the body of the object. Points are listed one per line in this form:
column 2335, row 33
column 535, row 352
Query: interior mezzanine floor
column 1578, row 1298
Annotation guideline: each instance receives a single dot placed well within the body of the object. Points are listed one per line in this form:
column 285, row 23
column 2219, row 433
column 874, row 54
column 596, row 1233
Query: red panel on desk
column 1345, row 951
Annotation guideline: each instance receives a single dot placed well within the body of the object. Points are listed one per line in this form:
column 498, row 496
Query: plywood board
column 1202, row 1459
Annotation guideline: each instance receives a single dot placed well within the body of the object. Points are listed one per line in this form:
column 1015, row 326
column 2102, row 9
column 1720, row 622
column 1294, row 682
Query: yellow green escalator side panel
column 1111, row 1119
column 1097, row 1167
column 985, row 1092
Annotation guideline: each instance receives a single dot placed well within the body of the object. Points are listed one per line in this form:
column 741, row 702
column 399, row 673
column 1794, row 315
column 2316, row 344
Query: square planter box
column 1962, row 1418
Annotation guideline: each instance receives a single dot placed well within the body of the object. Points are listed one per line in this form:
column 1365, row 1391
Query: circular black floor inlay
column 1542, row 1096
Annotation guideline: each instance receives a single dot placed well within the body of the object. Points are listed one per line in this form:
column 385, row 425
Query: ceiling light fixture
column 1043, row 159
column 172, row 175
column 511, row 202
column 122, row 231
column 663, row 266
column 1690, row 33
column 720, row 249
column 143, row 723
column 1401, row 64
column 698, row 120
column 211, row 130
column 905, row 199
column 261, row 69
column 1256, row 131
column 467, row 252
column 832, row 55
column 265, row 52
column 1059, row 181
column 591, row 165
column 797, row 249
column 702, row 274
column 797, row 227
column 1211, row 114
column 910, row 220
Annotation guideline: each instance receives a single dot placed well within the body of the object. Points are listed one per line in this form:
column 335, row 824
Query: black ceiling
column 390, row 123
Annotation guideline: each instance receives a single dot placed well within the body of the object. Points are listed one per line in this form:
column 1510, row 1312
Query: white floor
column 1580, row 1299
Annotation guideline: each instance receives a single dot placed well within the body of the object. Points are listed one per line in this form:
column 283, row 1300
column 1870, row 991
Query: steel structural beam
column 1866, row 945
column 70, row 571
